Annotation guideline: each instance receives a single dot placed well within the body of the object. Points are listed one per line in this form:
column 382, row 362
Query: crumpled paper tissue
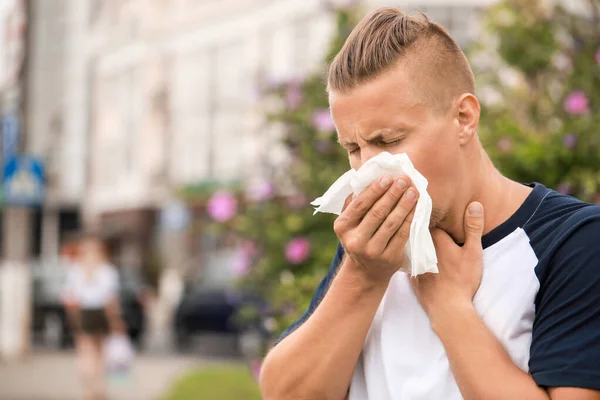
column 419, row 252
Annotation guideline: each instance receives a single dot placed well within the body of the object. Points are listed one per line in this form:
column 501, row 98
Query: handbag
column 119, row 355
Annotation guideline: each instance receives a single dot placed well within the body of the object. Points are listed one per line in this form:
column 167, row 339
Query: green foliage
column 218, row 383
column 540, row 127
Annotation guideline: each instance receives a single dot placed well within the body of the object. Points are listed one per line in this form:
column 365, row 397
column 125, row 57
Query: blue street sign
column 23, row 181
column 10, row 136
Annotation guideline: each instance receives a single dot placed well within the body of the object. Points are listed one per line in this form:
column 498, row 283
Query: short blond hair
column 388, row 37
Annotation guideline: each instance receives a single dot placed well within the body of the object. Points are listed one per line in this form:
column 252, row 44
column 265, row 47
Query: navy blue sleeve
column 319, row 293
column 565, row 349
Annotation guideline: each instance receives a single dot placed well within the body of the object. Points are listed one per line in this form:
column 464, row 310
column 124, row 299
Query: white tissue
column 419, row 252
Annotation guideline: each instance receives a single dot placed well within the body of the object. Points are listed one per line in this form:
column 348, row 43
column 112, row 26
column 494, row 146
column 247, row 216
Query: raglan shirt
column 540, row 295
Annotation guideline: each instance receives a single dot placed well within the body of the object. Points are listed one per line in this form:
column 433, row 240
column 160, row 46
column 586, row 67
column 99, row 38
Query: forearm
column 481, row 366
column 318, row 359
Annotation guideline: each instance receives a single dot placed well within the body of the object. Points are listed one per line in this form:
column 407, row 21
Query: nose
column 368, row 152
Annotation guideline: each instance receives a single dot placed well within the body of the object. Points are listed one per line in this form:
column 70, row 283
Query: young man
column 513, row 312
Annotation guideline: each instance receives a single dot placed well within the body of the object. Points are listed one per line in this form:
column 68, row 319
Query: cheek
column 437, row 163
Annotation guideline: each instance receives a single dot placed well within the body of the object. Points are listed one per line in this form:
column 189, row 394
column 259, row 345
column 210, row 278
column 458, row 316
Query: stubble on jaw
column 437, row 215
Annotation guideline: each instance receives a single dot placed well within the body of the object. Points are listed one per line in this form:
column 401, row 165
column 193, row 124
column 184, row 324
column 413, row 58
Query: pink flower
column 563, row 188
column 242, row 260
column 249, row 248
column 222, row 206
column 255, row 366
column 297, row 250
column 261, row 191
column 570, row 141
column 294, row 96
column 323, row 122
column 323, row 146
column 504, row 145
column 297, row 201
column 576, row 103
column 241, row 264
column 598, row 56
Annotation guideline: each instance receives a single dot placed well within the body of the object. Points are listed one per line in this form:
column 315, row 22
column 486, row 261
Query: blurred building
column 56, row 117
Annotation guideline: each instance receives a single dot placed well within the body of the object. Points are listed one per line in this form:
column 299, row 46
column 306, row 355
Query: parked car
column 50, row 324
column 210, row 304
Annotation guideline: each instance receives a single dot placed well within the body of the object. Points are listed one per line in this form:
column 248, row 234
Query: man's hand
column 460, row 268
column 374, row 227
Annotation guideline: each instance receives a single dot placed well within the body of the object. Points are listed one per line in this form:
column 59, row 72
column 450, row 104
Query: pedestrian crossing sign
column 23, row 181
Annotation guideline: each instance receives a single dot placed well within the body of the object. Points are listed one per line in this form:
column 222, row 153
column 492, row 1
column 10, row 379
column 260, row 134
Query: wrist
column 445, row 316
column 359, row 278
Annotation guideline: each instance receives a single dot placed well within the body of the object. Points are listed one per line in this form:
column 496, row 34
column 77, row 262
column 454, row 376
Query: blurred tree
column 538, row 72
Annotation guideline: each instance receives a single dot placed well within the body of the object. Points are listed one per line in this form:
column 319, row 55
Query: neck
column 500, row 197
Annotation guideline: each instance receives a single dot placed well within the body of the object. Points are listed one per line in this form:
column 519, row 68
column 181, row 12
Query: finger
column 363, row 202
column 380, row 212
column 473, row 226
column 398, row 240
column 394, row 220
column 347, row 202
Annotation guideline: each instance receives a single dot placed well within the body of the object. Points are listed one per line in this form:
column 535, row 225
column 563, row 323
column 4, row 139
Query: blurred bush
column 538, row 71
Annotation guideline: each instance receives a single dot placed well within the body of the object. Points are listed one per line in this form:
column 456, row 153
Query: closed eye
column 383, row 144
column 392, row 143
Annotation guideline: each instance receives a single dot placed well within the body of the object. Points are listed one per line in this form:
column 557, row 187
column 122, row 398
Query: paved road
column 52, row 376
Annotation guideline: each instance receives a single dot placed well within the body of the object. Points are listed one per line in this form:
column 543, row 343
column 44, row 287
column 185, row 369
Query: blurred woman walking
column 91, row 298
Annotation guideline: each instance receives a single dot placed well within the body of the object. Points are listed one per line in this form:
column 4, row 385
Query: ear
column 468, row 110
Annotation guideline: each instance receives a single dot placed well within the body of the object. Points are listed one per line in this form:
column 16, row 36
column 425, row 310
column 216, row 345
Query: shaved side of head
column 436, row 67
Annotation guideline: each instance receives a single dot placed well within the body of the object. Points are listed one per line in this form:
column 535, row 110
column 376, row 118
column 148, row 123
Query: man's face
column 384, row 115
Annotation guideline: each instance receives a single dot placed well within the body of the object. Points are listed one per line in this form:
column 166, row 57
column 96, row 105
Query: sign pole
column 15, row 273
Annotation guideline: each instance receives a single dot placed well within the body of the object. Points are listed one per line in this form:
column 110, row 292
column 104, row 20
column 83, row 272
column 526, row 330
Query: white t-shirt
column 539, row 296
column 95, row 291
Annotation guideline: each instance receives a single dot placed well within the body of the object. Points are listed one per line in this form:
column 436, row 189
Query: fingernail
column 475, row 209
column 411, row 195
column 385, row 182
column 401, row 184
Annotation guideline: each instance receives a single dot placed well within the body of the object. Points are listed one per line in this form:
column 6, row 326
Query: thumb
column 474, row 225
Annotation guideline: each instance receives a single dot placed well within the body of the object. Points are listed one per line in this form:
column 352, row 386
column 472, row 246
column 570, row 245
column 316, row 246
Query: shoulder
column 569, row 262
column 578, row 228
column 562, row 224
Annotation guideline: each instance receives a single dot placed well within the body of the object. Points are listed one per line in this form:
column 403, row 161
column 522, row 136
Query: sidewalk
column 53, row 376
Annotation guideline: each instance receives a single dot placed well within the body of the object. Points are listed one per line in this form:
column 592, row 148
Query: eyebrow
column 376, row 136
